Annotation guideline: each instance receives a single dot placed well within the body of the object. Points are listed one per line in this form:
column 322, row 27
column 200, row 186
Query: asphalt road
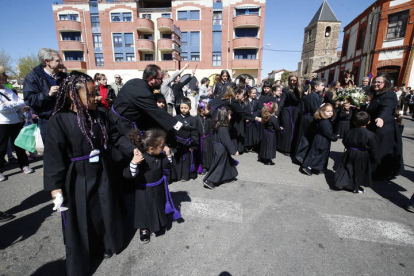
column 272, row 221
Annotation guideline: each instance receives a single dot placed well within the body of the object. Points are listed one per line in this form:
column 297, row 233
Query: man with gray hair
column 41, row 85
column 117, row 84
column 365, row 85
column 166, row 89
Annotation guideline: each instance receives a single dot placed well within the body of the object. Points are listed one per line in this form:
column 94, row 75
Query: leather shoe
column 108, row 254
column 306, row 171
column 144, row 235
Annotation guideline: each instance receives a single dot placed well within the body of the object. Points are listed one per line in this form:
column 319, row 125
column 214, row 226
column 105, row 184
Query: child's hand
column 281, row 128
column 138, row 157
column 191, row 149
column 236, row 154
column 167, row 151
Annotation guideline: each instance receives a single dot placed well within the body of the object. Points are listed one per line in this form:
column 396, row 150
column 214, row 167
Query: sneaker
column 27, row 170
column 2, row 177
column 410, row 208
column 209, row 185
column 144, row 235
column 203, row 172
column 307, row 171
column 359, row 191
column 270, row 163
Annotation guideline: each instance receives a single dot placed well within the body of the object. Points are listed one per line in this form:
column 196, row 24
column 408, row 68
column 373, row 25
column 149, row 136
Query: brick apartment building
column 123, row 36
column 380, row 39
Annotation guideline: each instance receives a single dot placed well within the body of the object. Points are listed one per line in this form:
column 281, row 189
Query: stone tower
column 320, row 41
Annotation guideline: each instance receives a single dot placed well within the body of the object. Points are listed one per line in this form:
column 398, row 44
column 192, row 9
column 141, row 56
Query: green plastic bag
column 26, row 138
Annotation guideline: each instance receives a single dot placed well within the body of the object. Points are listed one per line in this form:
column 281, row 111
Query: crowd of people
column 142, row 134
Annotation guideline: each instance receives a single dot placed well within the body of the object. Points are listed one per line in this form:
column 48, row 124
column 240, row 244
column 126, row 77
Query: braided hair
column 68, row 96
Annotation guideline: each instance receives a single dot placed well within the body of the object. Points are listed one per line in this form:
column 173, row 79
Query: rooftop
column 325, row 14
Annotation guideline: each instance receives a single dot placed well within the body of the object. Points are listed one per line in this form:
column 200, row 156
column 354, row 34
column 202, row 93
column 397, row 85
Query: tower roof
column 324, row 13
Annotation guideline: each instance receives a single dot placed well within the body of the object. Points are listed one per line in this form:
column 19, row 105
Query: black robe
column 205, row 150
column 185, row 159
column 289, row 120
column 268, row 146
column 389, row 138
column 93, row 221
column 311, row 104
column 237, row 130
column 150, row 201
column 318, row 154
column 343, row 122
column 218, row 102
column 355, row 168
column 251, row 137
column 223, row 167
column 179, row 94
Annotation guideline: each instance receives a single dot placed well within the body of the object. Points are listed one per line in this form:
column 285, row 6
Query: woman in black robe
column 382, row 109
column 290, row 116
column 361, row 150
column 77, row 165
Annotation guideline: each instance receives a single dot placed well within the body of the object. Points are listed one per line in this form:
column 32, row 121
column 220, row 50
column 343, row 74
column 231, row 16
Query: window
column 146, row 15
column 217, row 41
column 129, row 40
column 119, row 57
column 217, row 18
column 74, row 36
column 124, row 46
column 73, row 55
column 73, row 17
column 166, row 15
column 345, row 47
column 168, row 36
column 97, row 42
column 190, row 45
column 121, row 17
column 117, row 40
column 310, row 35
column 148, row 36
column 360, row 40
column 247, row 11
column 216, row 59
column 167, row 57
column 246, row 32
column 188, row 15
column 95, row 20
column 245, row 54
column 397, row 24
column 328, row 31
column 130, row 57
column 99, row 61
column 148, row 57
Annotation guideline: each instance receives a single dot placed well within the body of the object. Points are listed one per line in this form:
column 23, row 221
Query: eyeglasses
column 378, row 82
column 117, row 77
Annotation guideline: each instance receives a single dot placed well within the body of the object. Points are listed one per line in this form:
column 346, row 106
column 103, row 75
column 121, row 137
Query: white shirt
column 9, row 109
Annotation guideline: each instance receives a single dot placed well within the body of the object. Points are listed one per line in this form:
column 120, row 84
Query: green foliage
column 271, row 80
column 285, row 77
column 6, row 62
column 26, row 65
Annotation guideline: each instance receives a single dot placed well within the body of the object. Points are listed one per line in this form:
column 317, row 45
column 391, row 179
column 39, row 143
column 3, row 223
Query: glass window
column 146, row 15
column 99, row 61
column 115, row 17
column 216, row 59
column 246, row 32
column 361, row 37
column 118, row 40
column 148, row 36
column 95, row 20
column 119, row 57
column 75, row 36
column 397, row 24
column 167, row 15
column 194, row 15
column 217, row 18
column 129, row 40
column 166, row 36
column 148, row 57
column 247, row 11
column 73, row 17
column 245, row 54
column 97, row 41
column 127, row 17
column 182, row 15
column 190, row 45
column 130, row 57
column 167, row 57
column 73, row 55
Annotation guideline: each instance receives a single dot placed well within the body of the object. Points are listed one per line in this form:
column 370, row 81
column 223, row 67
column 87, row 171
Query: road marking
column 213, row 209
column 372, row 230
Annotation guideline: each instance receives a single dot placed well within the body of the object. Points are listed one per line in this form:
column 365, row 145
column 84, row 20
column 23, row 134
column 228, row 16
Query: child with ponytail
column 205, row 153
column 148, row 169
column 270, row 128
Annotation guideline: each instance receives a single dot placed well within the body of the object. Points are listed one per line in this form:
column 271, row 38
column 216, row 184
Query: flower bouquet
column 352, row 95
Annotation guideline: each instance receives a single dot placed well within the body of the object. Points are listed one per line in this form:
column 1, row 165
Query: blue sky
column 28, row 26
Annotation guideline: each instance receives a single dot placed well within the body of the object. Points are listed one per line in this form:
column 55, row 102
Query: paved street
column 272, row 221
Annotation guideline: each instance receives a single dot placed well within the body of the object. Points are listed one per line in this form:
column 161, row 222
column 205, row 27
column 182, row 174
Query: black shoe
column 108, row 254
column 306, row 171
column 144, row 235
column 285, row 153
column 410, row 208
column 203, row 172
column 6, row 217
column 209, row 185
column 270, row 163
column 359, row 191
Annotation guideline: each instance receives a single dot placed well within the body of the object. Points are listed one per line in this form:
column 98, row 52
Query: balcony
column 68, row 25
column 144, row 25
column 71, row 45
column 75, row 65
column 168, row 64
column 165, row 44
column 246, row 21
column 245, row 64
column 164, row 24
column 246, row 43
column 145, row 45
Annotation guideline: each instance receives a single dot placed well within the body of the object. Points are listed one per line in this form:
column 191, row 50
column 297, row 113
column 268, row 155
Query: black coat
column 178, row 90
column 221, row 88
column 93, row 220
column 268, row 145
column 109, row 96
column 389, row 137
column 232, row 104
column 318, row 154
column 237, row 129
column 355, row 168
column 205, row 150
column 251, row 137
column 36, row 89
column 343, row 122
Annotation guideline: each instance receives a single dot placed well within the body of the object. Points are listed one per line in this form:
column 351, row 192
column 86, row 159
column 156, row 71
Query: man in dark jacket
column 41, row 85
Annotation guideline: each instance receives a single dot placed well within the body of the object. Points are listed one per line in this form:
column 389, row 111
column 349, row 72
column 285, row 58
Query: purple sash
column 116, row 113
column 188, row 142
column 169, row 204
column 358, row 149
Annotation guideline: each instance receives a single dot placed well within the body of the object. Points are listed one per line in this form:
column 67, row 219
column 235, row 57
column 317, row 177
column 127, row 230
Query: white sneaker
column 2, row 178
column 27, row 170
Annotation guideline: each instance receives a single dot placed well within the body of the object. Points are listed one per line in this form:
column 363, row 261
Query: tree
column 6, row 62
column 285, row 77
column 26, row 64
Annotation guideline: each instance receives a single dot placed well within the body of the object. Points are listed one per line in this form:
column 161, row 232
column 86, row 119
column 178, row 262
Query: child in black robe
column 253, row 106
column 187, row 142
column 316, row 159
column 77, row 166
column 205, row 152
column 343, row 120
column 223, row 168
column 270, row 128
column 148, row 171
column 237, row 130
column 361, row 150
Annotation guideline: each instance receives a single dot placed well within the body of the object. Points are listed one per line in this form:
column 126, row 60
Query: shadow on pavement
column 57, row 267
column 391, row 191
column 336, row 157
column 30, row 202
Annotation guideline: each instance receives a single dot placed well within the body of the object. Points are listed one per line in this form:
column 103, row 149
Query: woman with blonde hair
column 331, row 94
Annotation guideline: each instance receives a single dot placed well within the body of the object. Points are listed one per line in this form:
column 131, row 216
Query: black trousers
column 11, row 131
